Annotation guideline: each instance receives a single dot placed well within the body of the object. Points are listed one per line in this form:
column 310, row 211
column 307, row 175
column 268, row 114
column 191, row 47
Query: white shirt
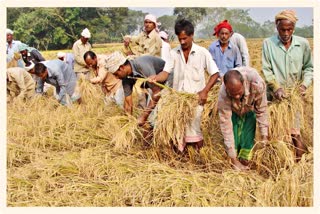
column 190, row 76
column 165, row 51
column 241, row 43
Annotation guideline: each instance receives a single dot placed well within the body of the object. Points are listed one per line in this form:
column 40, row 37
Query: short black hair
column 183, row 25
column 232, row 74
column 89, row 53
column 39, row 68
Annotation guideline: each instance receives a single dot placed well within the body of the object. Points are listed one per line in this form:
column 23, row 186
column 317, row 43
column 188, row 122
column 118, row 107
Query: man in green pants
column 242, row 102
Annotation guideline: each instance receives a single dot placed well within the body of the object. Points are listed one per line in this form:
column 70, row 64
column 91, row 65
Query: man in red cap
column 225, row 54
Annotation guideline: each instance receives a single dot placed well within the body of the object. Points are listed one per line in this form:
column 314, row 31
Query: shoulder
column 301, row 40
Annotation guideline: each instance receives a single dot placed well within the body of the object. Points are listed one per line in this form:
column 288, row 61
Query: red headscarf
column 223, row 24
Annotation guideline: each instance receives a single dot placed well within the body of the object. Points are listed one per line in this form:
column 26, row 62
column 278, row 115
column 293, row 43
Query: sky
column 259, row 14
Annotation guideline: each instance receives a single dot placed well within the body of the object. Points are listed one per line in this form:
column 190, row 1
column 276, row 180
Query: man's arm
column 128, row 104
column 260, row 108
column 152, row 104
column 307, row 68
column 18, row 77
column 203, row 94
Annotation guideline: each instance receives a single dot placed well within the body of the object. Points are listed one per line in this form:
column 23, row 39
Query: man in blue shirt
column 225, row 54
column 60, row 75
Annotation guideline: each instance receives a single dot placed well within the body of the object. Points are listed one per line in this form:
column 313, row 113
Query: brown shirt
column 148, row 44
column 20, row 83
column 79, row 50
column 255, row 99
column 109, row 83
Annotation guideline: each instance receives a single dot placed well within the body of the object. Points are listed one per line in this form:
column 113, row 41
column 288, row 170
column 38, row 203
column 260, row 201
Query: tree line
column 59, row 28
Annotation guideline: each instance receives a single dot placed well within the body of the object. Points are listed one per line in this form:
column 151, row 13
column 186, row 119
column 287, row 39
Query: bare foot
column 237, row 165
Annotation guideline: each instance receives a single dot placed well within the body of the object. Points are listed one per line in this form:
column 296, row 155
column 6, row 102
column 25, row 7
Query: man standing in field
column 20, row 84
column 59, row 74
column 188, row 64
column 242, row 101
column 286, row 60
column 225, row 54
column 127, row 70
column 79, row 48
column 110, row 85
column 148, row 41
column 12, row 47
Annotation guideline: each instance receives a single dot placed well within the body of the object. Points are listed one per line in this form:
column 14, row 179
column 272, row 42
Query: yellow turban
column 288, row 15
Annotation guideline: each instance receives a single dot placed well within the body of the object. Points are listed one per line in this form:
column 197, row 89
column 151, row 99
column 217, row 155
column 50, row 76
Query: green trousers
column 244, row 129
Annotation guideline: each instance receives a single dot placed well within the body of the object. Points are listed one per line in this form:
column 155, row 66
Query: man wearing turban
column 148, row 41
column 225, row 54
column 286, row 61
column 79, row 48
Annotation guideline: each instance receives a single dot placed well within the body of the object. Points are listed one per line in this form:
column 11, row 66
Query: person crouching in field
column 287, row 60
column 59, row 74
column 127, row 70
column 188, row 64
column 20, row 84
column 110, row 85
column 242, row 101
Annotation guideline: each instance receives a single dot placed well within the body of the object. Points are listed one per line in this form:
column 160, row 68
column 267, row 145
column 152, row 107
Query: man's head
column 223, row 31
column 41, row 71
column 85, row 36
column 184, row 30
column 233, row 81
column 285, row 22
column 23, row 49
column 30, row 68
column 150, row 23
column 61, row 56
column 117, row 64
column 90, row 59
column 9, row 35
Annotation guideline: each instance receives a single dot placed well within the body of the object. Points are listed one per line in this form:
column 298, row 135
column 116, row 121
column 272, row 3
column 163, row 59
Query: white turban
column 153, row 18
column 8, row 31
column 86, row 33
column 61, row 54
column 29, row 67
column 163, row 35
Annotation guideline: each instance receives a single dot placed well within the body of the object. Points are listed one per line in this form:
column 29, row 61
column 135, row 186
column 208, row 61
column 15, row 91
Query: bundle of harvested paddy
column 176, row 110
column 307, row 131
column 283, row 114
column 210, row 118
column 90, row 93
column 273, row 158
column 124, row 131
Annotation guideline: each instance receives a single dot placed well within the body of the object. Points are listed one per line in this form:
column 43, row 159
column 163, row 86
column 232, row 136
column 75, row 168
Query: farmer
column 127, row 70
column 188, row 64
column 110, row 85
column 148, row 41
column 242, row 101
column 30, row 54
column 286, row 60
column 20, row 84
column 60, row 75
column 240, row 42
column 225, row 54
column 67, row 58
column 12, row 48
column 79, row 48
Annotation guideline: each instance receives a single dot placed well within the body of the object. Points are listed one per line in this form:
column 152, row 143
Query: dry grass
column 93, row 155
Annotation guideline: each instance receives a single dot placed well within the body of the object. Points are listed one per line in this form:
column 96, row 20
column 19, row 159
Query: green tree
column 192, row 14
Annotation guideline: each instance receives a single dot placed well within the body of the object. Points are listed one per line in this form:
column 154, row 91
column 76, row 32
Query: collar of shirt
column 294, row 42
column 229, row 44
column 192, row 51
column 151, row 34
